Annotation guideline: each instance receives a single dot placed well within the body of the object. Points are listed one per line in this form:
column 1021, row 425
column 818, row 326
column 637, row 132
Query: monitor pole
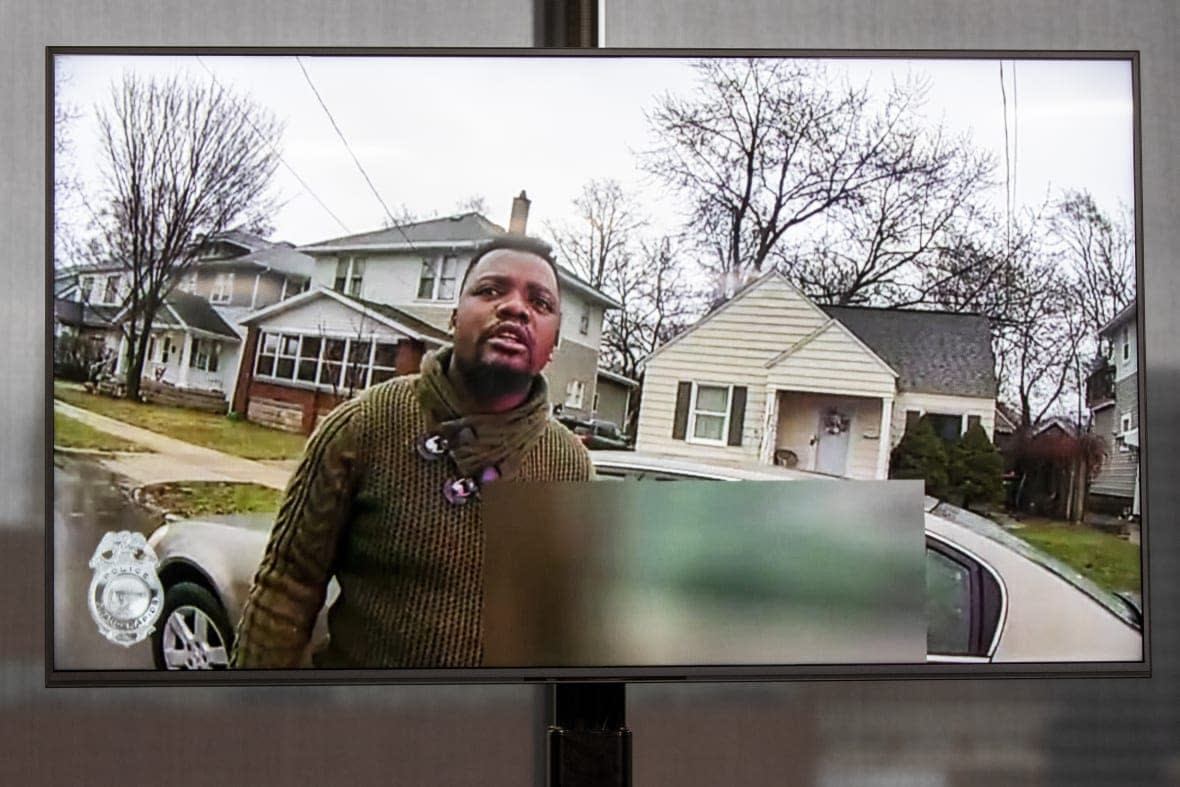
column 589, row 743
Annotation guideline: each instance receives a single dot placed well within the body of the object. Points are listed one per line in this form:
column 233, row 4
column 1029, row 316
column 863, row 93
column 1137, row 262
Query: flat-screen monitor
column 374, row 365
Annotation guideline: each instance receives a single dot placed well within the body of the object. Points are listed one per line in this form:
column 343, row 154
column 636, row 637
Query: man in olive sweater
column 386, row 495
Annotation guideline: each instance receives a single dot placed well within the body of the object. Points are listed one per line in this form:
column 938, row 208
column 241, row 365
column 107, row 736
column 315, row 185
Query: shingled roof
column 932, row 352
column 281, row 257
column 192, row 311
column 463, row 228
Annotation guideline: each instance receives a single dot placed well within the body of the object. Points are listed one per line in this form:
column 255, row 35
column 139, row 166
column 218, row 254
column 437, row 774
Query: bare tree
column 473, row 203
column 606, row 229
column 401, row 216
column 763, row 147
column 1099, row 253
column 872, row 248
column 1019, row 285
column 182, row 162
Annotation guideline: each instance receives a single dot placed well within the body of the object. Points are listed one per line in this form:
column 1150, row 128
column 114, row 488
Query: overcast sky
column 432, row 132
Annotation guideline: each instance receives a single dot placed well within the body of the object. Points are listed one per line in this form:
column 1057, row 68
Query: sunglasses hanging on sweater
column 457, row 490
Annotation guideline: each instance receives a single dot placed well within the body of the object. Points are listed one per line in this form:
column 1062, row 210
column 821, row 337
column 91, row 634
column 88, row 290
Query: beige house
column 772, row 377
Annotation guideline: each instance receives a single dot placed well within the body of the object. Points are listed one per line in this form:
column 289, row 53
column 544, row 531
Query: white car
column 990, row 596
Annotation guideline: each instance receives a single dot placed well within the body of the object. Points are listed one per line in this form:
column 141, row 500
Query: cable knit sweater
column 364, row 506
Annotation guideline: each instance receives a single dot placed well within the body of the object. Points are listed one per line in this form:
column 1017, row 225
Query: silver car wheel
column 191, row 641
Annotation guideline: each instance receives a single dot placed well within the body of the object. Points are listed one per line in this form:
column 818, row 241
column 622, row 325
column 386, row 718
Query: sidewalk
column 176, row 460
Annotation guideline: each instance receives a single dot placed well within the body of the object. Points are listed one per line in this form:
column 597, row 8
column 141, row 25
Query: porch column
column 186, row 355
column 884, row 438
column 121, row 358
column 769, row 427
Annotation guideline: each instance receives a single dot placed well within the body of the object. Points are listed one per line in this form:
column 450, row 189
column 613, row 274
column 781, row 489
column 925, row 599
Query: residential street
column 87, row 503
column 91, row 498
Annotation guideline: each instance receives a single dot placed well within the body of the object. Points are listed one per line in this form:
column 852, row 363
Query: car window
column 963, row 603
column 948, row 605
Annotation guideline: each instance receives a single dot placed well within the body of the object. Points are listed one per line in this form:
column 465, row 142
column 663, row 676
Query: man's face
column 508, row 314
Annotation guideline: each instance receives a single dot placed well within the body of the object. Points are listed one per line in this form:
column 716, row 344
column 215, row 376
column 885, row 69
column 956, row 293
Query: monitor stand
column 589, row 743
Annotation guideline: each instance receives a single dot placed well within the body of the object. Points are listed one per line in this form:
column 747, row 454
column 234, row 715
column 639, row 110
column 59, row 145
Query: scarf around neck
column 499, row 440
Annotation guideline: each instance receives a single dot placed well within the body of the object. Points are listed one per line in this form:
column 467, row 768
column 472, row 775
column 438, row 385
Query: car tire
column 193, row 631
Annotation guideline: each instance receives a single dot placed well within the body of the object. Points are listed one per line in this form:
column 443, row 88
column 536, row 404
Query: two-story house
column 196, row 341
column 378, row 301
column 1112, row 394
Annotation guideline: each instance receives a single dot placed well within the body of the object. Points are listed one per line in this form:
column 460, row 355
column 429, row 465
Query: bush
column 921, row 454
column 78, row 359
column 975, row 469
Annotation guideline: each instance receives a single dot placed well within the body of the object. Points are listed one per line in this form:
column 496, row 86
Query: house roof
column 1125, row 316
column 617, row 378
column 406, row 319
column 932, row 352
column 1065, row 425
column 1007, row 417
column 280, row 257
column 389, row 315
column 247, row 241
column 85, row 315
column 465, row 228
column 184, row 310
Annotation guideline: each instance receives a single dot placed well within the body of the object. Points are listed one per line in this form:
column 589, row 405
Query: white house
column 772, row 377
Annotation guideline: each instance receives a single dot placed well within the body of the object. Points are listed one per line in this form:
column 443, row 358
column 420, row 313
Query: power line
column 278, row 153
column 388, row 214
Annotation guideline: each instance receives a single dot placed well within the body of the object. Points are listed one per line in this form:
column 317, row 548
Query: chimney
column 520, row 214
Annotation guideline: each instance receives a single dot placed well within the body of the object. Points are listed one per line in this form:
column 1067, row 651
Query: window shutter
column 680, row 420
column 737, row 414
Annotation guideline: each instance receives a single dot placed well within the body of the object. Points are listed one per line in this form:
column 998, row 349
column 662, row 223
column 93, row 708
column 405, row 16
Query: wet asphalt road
column 87, row 503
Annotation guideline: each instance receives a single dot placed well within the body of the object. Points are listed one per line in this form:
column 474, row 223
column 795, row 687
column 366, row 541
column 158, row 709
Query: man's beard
column 488, row 381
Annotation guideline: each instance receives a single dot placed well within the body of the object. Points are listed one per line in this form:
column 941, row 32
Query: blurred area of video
column 704, row 573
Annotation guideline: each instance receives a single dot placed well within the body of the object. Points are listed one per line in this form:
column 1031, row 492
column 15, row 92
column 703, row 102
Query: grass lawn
column 68, row 433
column 212, row 431
column 196, row 498
column 1108, row 560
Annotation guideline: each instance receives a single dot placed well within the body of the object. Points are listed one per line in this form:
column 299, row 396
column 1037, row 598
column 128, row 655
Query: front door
column 832, row 437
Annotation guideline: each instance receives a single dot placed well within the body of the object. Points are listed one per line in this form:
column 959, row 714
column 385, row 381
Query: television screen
column 362, row 365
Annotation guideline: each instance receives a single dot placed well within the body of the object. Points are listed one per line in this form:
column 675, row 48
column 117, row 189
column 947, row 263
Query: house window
column 595, row 407
column 384, row 363
column 309, row 358
column 223, row 288
column 151, row 353
column 112, row 291
column 205, row 355
column 584, row 322
column 438, row 278
column 708, row 413
column 948, row 427
column 1126, row 344
column 189, row 283
column 350, row 272
column 1125, row 423
column 321, row 361
column 575, row 391
column 166, row 349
